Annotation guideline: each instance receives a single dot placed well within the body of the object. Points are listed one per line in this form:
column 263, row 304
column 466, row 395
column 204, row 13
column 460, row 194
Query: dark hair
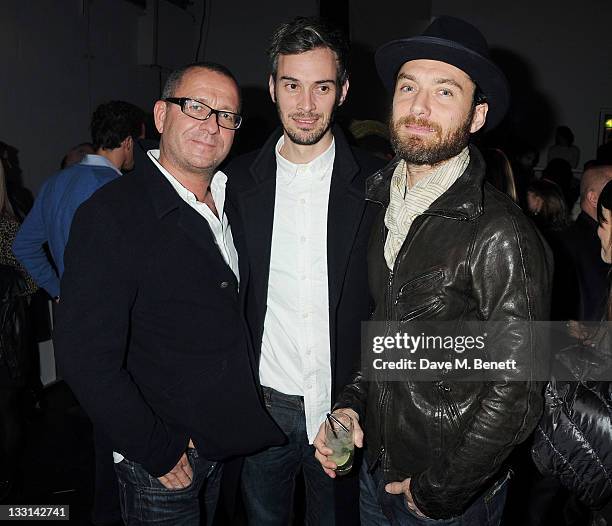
column 564, row 133
column 605, row 201
column 305, row 34
column 499, row 172
column 113, row 121
column 559, row 171
column 175, row 78
column 553, row 214
column 479, row 96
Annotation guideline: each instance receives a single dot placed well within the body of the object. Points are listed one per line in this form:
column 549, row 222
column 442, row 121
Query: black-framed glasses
column 200, row 111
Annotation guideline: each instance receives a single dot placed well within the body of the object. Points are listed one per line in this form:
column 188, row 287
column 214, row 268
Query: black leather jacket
column 473, row 255
column 13, row 303
column 572, row 441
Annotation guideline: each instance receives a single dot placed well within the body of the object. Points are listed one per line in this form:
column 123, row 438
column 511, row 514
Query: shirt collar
column 92, row 159
column 319, row 165
column 217, row 184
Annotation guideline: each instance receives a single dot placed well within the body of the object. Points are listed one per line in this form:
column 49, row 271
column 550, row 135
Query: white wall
column 567, row 47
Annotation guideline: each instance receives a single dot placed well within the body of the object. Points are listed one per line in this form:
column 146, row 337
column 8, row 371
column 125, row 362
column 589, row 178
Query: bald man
column 584, row 247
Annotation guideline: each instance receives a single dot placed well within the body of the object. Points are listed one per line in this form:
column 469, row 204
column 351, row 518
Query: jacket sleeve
column 354, row 396
column 99, row 289
column 511, row 274
column 28, row 249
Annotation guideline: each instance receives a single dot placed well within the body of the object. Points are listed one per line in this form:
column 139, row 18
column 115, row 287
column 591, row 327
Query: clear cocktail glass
column 339, row 438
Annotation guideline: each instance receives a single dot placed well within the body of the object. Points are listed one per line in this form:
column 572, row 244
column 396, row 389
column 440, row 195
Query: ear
column 480, row 117
column 159, row 114
column 592, row 198
column 272, row 87
column 343, row 92
column 128, row 143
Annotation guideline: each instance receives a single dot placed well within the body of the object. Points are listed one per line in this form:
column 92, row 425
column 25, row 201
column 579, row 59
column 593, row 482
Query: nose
column 306, row 102
column 210, row 125
column 421, row 104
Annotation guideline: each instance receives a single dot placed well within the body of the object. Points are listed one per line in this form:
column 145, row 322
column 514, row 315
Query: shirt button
column 305, row 315
column 303, row 239
column 303, row 201
column 224, row 284
column 308, row 352
column 302, row 278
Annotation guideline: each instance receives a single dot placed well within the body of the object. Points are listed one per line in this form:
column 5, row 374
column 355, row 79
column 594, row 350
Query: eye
column 406, row 88
column 324, row 89
column 196, row 106
column 291, row 86
column 445, row 92
column 226, row 116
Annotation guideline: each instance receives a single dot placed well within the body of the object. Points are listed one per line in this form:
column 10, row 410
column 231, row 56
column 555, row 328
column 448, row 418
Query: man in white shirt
column 153, row 292
column 307, row 224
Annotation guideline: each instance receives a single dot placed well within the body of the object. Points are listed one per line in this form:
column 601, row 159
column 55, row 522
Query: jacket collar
column 164, row 198
column 462, row 201
column 345, row 165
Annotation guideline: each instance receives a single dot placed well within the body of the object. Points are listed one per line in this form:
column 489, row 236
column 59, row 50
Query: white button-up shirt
column 295, row 354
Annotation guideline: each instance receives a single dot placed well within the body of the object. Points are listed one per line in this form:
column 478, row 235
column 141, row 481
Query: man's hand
column 180, row 476
column 322, row 451
column 397, row 488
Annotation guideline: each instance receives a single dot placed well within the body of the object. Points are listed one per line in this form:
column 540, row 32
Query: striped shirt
column 406, row 204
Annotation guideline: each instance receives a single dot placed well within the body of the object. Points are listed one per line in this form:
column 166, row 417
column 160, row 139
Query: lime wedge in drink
column 342, row 457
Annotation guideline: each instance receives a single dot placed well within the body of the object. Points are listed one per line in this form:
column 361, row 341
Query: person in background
column 16, row 286
column 572, row 441
column 564, row 147
column 548, row 210
column 20, row 197
column 75, row 155
column 560, row 172
column 499, row 172
column 583, row 247
column 115, row 126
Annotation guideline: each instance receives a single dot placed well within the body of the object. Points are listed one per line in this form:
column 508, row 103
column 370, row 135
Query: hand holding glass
column 339, row 437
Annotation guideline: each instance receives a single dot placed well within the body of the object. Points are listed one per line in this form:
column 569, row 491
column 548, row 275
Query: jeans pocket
column 495, row 500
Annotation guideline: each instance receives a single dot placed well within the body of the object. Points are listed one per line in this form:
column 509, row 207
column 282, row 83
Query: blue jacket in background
column 51, row 216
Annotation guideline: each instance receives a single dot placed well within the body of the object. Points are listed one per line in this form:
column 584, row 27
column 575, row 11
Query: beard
column 306, row 137
column 430, row 151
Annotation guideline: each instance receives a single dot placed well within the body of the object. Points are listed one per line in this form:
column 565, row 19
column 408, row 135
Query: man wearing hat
column 446, row 247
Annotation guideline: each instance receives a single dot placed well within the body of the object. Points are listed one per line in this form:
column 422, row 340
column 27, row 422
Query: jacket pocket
column 423, row 311
column 450, row 407
column 424, row 280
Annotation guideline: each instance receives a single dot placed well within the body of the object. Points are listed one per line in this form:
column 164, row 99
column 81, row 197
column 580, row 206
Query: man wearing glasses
column 161, row 359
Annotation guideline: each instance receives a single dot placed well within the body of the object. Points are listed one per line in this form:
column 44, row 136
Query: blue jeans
column 379, row 508
column 268, row 478
column 145, row 500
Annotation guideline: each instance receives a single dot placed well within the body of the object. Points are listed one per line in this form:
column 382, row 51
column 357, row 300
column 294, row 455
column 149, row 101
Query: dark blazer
column 150, row 333
column 252, row 179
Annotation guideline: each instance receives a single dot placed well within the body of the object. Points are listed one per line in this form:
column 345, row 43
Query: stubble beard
column 306, row 137
column 420, row 151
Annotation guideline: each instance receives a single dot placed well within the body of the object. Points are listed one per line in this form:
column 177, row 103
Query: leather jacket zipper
column 384, row 391
column 374, row 465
